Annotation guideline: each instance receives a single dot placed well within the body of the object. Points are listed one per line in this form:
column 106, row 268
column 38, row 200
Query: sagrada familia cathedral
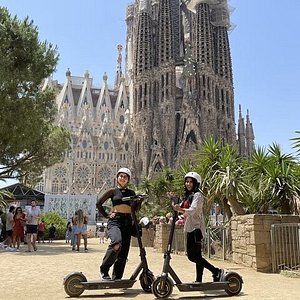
column 176, row 90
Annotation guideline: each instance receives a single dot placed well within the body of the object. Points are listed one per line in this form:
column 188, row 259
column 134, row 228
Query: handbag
column 23, row 223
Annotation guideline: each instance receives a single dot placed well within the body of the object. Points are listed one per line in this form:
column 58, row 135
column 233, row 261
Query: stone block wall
column 251, row 239
column 147, row 238
column 158, row 238
column 162, row 237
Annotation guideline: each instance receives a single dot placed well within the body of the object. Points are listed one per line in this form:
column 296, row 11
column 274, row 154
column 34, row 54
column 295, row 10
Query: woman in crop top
column 118, row 226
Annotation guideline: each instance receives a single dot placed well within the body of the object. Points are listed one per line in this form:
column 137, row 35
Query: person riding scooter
column 192, row 209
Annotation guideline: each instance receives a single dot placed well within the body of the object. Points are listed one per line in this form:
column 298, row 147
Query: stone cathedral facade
column 177, row 89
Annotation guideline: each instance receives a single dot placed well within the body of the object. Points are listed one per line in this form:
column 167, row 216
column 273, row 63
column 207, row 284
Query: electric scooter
column 75, row 283
column 162, row 286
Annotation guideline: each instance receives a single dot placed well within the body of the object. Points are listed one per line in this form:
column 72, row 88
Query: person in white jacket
column 194, row 227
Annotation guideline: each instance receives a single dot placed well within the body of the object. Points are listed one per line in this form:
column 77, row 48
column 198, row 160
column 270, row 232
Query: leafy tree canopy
column 29, row 138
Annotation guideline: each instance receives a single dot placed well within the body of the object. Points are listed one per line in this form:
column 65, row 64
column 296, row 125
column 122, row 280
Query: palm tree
column 157, row 188
column 282, row 179
column 257, row 198
column 273, row 176
column 222, row 171
column 296, row 144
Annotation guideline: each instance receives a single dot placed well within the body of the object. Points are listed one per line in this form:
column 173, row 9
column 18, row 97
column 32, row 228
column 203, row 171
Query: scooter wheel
column 146, row 280
column 161, row 288
column 235, row 283
column 72, row 284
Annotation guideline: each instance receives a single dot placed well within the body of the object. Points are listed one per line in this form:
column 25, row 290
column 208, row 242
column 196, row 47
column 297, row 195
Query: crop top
column 116, row 196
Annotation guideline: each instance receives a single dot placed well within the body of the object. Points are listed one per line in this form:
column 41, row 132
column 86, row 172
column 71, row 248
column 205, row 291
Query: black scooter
column 75, row 283
column 162, row 286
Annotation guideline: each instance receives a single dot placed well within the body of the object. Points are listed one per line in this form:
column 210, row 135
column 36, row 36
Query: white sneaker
column 11, row 249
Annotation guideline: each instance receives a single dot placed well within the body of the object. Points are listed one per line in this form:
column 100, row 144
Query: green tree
column 157, row 188
column 222, row 173
column 296, row 143
column 58, row 221
column 274, row 178
column 29, row 139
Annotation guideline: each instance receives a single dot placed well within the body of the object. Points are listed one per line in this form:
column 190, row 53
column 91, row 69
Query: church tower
column 180, row 73
column 175, row 91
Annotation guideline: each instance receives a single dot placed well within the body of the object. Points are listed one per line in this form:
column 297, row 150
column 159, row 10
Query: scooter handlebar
column 134, row 198
column 175, row 200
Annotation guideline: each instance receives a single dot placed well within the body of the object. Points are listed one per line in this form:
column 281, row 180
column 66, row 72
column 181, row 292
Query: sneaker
column 218, row 275
column 3, row 246
column 104, row 275
column 11, row 249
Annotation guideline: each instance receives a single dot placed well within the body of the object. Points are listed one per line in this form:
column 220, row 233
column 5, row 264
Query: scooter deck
column 107, row 284
column 202, row 286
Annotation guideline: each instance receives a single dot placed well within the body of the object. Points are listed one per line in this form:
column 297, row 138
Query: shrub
column 58, row 221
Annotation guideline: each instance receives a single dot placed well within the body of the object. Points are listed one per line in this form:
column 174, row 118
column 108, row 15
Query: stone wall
column 147, row 238
column 158, row 238
column 251, row 239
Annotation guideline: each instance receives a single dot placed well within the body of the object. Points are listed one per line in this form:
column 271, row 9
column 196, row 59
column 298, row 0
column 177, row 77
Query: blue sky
column 265, row 48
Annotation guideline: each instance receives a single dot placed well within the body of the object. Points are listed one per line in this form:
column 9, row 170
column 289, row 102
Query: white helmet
column 124, row 170
column 193, row 175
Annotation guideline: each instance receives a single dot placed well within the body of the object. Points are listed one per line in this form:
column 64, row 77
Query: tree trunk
column 235, row 206
column 227, row 209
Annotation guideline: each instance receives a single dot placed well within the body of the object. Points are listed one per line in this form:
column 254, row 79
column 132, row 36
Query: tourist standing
column 32, row 218
column 52, row 233
column 101, row 233
column 68, row 232
column 41, row 231
column 9, row 229
column 18, row 229
column 73, row 235
column 3, row 222
column 81, row 229
column 118, row 226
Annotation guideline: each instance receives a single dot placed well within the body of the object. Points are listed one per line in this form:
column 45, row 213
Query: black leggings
column 194, row 253
column 119, row 232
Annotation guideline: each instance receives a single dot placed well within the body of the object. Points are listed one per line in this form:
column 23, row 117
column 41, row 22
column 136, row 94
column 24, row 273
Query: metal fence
column 285, row 247
column 215, row 243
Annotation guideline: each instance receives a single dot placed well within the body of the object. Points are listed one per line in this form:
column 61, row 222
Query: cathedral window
column 40, row 186
column 54, row 186
column 106, row 145
column 140, row 91
column 60, row 172
column 63, row 186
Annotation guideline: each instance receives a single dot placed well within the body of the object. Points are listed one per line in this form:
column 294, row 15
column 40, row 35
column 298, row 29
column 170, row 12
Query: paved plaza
column 39, row 275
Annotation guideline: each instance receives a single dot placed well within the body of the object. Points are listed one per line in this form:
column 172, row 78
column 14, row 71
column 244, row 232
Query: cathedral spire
column 119, row 66
column 145, row 6
column 241, row 133
column 249, row 135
